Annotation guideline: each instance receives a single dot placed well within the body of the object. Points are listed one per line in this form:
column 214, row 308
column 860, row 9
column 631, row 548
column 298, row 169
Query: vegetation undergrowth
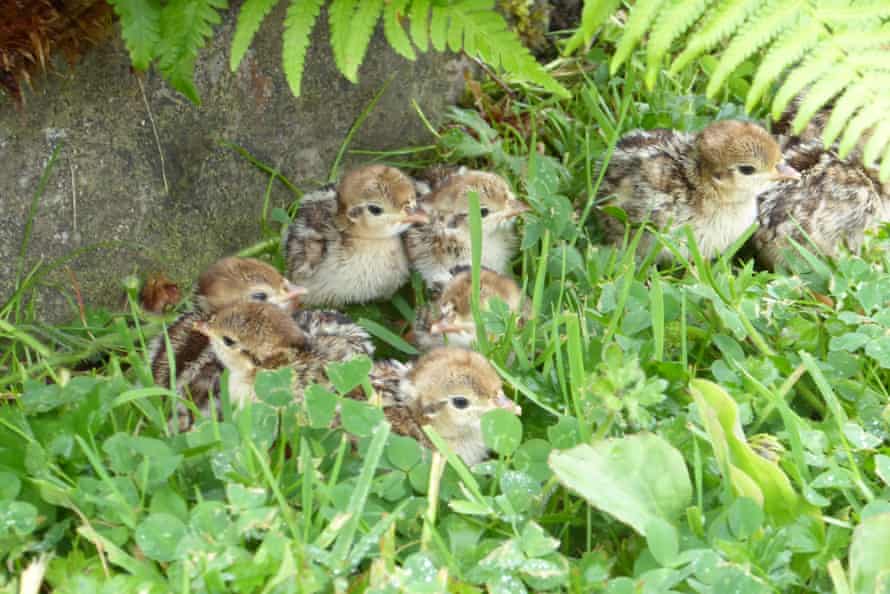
column 704, row 428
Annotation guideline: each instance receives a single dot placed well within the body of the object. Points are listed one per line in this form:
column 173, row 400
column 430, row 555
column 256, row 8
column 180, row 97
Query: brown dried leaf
column 159, row 293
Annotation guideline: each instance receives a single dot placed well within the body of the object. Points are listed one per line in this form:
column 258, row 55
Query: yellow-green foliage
column 823, row 49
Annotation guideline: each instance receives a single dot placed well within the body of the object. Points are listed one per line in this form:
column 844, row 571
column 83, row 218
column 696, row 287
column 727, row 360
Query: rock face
column 141, row 170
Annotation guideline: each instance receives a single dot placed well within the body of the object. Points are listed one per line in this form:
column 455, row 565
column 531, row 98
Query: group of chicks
column 733, row 174
column 358, row 241
column 354, row 242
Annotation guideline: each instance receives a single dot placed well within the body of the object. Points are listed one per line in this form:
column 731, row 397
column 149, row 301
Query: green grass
column 95, row 480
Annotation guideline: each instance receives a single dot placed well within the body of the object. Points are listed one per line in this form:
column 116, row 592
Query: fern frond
column 718, row 25
column 140, row 28
column 298, row 24
column 249, row 19
column 758, row 32
column 820, row 94
column 362, row 28
column 393, row 31
column 880, row 138
column 420, row 16
column 884, row 172
column 593, row 15
column 847, row 104
column 673, row 20
column 439, row 27
column 637, row 25
column 867, row 117
column 781, row 55
column 803, row 75
column 340, row 14
column 185, row 27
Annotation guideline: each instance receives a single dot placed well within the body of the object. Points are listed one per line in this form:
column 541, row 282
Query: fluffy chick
column 344, row 244
column 709, row 181
column 250, row 337
column 450, row 316
column 444, row 243
column 449, row 389
column 225, row 283
column 833, row 204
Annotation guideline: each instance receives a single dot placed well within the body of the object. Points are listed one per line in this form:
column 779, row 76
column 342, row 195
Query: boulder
column 141, row 182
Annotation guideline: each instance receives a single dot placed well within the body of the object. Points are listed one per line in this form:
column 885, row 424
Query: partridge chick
column 449, row 389
column 444, row 243
column 834, row 202
column 250, row 337
column 344, row 244
column 226, row 282
column 708, row 181
column 451, row 317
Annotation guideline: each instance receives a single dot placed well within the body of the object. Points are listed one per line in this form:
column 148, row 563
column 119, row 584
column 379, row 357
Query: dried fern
column 172, row 33
column 830, row 51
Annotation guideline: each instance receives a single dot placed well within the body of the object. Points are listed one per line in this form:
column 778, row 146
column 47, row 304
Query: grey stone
column 108, row 184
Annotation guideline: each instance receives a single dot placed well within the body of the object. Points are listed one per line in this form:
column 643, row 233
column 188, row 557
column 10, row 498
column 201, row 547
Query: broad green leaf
column 501, row 431
column 241, row 497
column 749, row 474
column 320, row 405
column 17, row 517
column 159, row 536
column 274, row 386
column 745, row 517
column 403, row 452
column 348, row 375
column 663, row 541
column 359, row 417
column 536, row 542
column 634, row 478
column 870, row 556
column 10, row 485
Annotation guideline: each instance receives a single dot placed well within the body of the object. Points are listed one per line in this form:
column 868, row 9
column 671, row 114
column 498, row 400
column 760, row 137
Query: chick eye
column 460, row 402
column 228, row 341
column 261, row 296
column 483, row 212
column 746, row 169
column 375, row 210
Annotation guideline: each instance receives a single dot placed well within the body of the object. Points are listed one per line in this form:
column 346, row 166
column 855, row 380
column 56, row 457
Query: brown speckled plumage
column 707, row 180
column 833, row 203
column 451, row 316
column 444, row 243
column 344, row 244
column 449, row 389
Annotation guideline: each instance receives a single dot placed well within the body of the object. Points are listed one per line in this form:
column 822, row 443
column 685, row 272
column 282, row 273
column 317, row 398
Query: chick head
column 453, row 311
column 247, row 337
column 244, row 280
column 741, row 158
column 450, row 202
column 453, row 388
column 378, row 202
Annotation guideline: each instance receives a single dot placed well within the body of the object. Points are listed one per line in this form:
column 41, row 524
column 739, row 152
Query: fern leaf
column 185, row 27
column 782, row 54
column 867, row 117
column 718, row 25
column 140, row 28
column 340, row 14
column 249, row 19
column 362, row 28
column 808, row 71
column 880, row 138
column 673, row 20
column 298, row 24
column 864, row 12
column 439, row 27
column 853, row 98
column 758, row 32
column 832, row 83
column 642, row 14
column 593, row 15
column 420, row 12
column 392, row 28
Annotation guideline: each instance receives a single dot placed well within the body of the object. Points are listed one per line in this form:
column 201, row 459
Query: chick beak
column 415, row 216
column 516, row 208
column 201, row 326
column 294, row 292
column 786, row 171
column 501, row 401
